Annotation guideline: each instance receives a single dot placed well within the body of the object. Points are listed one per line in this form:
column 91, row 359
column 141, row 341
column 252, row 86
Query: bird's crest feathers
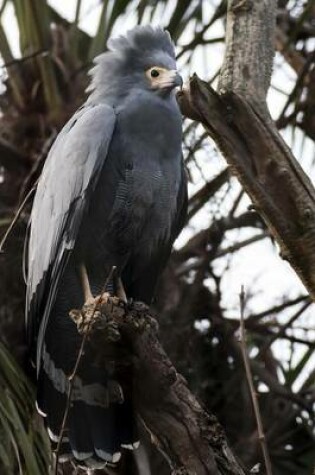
column 129, row 54
column 144, row 39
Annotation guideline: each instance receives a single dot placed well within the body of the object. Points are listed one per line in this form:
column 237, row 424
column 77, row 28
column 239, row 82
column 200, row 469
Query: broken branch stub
column 278, row 187
column 238, row 120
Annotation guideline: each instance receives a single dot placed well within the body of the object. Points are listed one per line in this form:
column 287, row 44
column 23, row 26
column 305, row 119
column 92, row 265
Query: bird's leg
column 91, row 315
column 98, row 312
column 83, row 317
column 87, row 293
column 119, row 288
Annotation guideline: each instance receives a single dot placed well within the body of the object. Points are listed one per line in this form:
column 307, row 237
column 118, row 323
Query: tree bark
column 238, row 120
column 192, row 441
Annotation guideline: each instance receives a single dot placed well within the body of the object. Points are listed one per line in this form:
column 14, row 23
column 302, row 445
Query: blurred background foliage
column 46, row 49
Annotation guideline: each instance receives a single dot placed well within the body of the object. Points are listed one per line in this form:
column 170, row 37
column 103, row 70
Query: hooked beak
column 178, row 81
column 167, row 80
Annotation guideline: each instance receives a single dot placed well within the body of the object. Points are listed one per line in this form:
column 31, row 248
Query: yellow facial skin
column 161, row 78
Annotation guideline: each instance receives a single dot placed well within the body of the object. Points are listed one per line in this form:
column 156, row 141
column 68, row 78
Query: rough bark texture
column 249, row 48
column 238, row 120
column 193, row 441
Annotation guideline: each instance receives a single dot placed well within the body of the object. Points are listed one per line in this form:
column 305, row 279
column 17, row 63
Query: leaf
column 35, row 35
column 15, row 81
column 29, row 441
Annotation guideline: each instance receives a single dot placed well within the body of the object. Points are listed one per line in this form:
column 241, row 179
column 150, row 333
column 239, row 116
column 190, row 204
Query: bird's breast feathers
column 151, row 121
column 146, row 154
column 143, row 209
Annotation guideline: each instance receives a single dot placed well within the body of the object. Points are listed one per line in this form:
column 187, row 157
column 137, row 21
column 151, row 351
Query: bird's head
column 143, row 60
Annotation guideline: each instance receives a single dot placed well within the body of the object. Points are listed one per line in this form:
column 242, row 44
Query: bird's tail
column 90, row 423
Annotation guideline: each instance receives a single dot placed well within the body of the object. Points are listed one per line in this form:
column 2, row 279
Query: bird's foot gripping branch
column 105, row 313
column 192, row 441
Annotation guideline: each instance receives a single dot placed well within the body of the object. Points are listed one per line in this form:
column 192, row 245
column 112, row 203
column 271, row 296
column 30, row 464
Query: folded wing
column 63, row 193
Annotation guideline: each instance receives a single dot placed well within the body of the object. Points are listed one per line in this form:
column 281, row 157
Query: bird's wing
column 68, row 179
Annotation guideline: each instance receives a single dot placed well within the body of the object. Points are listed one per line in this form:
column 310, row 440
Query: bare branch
column 253, row 394
column 278, row 187
column 282, row 331
column 279, row 308
column 16, row 217
column 239, row 122
column 239, row 245
column 192, row 440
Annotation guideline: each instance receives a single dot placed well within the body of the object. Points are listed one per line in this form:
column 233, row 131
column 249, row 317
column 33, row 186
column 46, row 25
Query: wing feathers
column 69, row 176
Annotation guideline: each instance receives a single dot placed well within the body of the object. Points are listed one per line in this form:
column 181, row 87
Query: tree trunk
column 238, row 120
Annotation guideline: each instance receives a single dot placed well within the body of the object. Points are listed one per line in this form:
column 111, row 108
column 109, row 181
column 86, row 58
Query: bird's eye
column 154, row 73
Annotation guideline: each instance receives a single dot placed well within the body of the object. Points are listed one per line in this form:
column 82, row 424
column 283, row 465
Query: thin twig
column 249, row 377
column 76, row 366
column 279, row 308
column 77, row 13
column 16, row 217
column 239, row 245
column 41, row 52
column 298, row 85
column 236, row 203
column 282, row 331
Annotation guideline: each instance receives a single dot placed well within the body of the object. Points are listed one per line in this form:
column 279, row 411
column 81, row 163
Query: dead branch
column 283, row 328
column 191, row 439
column 293, row 57
column 249, row 377
column 241, row 244
column 16, row 217
column 278, row 187
column 212, row 236
column 279, row 308
column 238, row 120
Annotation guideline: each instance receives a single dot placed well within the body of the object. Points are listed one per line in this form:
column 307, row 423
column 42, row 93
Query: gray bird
column 112, row 193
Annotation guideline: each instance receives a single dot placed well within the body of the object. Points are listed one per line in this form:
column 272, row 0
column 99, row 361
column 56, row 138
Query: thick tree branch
column 192, row 440
column 238, row 120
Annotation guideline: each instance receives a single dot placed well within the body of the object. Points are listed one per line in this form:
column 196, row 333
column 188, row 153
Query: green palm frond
column 24, row 447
